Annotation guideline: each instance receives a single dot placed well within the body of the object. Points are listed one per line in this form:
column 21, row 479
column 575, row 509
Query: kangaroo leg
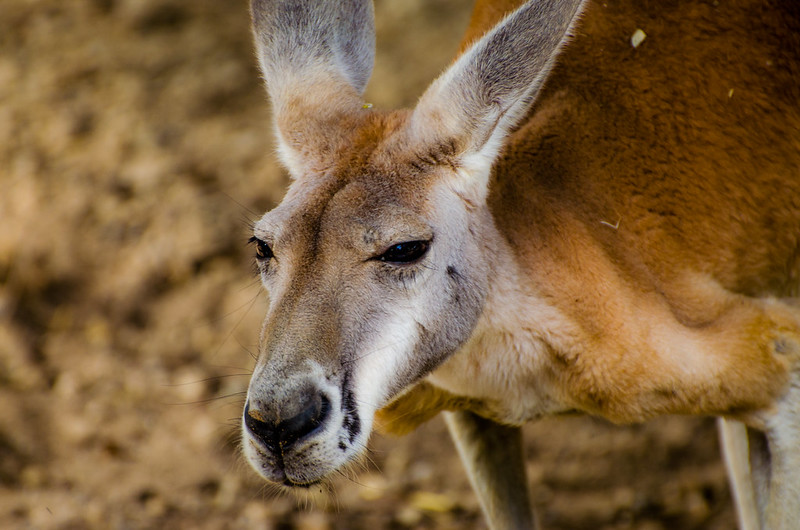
column 735, row 451
column 760, row 467
column 492, row 454
column 775, row 454
column 782, row 430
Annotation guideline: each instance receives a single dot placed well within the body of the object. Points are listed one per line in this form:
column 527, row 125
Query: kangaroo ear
column 474, row 104
column 316, row 57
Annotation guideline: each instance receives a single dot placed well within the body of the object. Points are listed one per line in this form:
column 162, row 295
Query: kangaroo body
column 561, row 224
column 640, row 218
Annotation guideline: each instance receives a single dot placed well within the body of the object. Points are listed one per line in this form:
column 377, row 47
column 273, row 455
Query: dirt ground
column 135, row 149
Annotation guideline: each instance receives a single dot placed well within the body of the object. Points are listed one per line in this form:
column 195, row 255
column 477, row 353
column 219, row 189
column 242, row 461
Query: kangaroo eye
column 405, row 252
column 263, row 250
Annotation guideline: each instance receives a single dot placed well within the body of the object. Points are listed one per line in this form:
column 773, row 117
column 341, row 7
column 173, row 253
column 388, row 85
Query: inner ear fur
column 476, row 102
column 316, row 58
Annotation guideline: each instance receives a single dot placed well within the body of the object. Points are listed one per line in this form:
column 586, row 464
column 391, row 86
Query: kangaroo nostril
column 307, row 421
column 264, row 430
column 279, row 435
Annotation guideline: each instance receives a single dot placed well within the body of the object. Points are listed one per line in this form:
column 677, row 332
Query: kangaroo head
column 378, row 259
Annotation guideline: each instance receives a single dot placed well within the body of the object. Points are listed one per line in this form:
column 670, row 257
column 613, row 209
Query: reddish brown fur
column 660, row 184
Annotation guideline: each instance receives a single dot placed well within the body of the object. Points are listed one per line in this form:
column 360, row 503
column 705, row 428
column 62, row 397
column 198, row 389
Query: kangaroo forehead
column 367, row 208
column 372, row 217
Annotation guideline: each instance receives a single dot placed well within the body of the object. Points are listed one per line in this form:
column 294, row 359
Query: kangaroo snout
column 279, row 424
column 298, row 429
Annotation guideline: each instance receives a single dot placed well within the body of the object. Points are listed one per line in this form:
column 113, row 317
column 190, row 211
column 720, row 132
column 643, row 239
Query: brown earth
column 135, row 149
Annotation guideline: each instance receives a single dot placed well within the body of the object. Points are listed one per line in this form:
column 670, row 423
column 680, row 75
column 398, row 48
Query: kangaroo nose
column 309, row 412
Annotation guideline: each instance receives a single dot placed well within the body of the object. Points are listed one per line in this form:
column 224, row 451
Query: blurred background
column 135, row 151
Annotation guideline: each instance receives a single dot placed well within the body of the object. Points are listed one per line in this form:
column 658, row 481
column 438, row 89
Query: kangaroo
column 563, row 223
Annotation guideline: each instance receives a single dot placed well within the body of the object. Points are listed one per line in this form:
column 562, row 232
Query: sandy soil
column 135, row 150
